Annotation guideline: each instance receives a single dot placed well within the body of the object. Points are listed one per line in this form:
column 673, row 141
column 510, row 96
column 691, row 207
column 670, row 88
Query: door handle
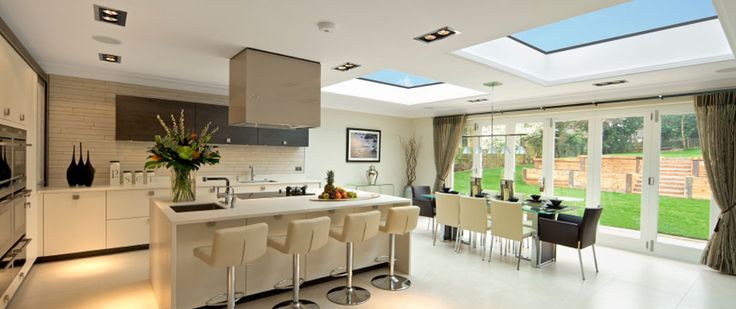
column 75, row 196
column 651, row 181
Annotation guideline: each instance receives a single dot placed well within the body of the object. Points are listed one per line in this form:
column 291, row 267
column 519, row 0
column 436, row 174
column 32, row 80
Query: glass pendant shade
column 466, row 150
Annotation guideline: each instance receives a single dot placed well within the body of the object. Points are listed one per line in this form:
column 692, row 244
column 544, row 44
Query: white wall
column 327, row 148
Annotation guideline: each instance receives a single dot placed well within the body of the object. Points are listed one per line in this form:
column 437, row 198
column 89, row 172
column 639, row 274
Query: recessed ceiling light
column 110, row 15
column 109, row 58
column 478, row 100
column 106, row 39
column 609, row 83
column 346, row 66
column 726, row 70
column 436, row 35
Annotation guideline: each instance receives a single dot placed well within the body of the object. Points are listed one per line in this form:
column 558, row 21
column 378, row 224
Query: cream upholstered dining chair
column 448, row 213
column 508, row 224
column 474, row 218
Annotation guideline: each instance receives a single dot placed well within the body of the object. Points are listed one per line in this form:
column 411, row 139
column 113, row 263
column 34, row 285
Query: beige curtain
column 447, row 133
column 716, row 114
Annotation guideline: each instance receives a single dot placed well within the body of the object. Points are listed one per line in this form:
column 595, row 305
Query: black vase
column 80, row 172
column 71, row 171
column 89, row 172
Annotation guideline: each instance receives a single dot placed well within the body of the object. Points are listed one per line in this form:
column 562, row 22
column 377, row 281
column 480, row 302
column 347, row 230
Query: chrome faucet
column 252, row 174
column 229, row 195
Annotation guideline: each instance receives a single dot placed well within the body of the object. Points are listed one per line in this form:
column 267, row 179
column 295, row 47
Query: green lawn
column 688, row 153
column 677, row 216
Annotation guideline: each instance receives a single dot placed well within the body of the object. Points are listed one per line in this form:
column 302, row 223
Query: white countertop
column 164, row 185
column 270, row 207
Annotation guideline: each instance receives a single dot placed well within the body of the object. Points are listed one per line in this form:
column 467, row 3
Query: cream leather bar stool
column 358, row 227
column 401, row 220
column 232, row 247
column 302, row 237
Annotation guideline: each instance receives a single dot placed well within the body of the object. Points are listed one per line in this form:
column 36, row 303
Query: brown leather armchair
column 572, row 231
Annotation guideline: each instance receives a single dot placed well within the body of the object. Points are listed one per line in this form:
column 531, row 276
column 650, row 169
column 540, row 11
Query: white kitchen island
column 180, row 280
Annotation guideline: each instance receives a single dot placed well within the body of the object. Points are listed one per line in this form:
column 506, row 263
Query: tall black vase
column 5, row 172
column 71, row 171
column 89, row 172
column 80, row 172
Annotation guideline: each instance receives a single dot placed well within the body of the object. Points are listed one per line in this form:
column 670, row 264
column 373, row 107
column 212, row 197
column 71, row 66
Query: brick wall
column 83, row 110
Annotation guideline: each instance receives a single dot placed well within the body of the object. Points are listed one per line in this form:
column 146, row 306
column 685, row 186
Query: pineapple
column 330, row 186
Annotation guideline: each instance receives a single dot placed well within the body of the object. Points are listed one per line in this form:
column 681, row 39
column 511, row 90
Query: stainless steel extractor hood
column 274, row 91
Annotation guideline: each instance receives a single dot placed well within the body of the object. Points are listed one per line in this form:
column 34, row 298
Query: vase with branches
column 182, row 152
column 411, row 153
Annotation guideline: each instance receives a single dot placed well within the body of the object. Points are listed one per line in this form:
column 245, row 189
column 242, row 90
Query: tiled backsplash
column 83, row 110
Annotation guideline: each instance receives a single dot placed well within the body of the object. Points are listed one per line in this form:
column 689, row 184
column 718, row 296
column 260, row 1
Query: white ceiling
column 186, row 44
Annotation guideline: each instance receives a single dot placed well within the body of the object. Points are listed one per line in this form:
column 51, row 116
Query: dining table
column 542, row 253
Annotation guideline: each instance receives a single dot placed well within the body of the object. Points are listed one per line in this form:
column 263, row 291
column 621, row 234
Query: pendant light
column 492, row 149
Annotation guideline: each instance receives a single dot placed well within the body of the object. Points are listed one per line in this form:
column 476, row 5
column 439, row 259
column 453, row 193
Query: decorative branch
column 411, row 153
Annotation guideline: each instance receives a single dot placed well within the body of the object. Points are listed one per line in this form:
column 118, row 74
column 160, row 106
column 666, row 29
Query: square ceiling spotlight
column 109, row 58
column 399, row 87
column 439, row 34
column 110, row 16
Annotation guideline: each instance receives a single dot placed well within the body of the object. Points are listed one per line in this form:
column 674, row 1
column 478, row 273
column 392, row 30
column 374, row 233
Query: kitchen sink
column 196, row 207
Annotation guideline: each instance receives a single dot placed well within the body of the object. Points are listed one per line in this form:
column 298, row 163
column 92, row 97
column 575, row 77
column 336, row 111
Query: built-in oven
column 13, row 203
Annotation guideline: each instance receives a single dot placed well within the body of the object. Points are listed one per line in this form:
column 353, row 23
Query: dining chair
column 573, row 231
column 426, row 205
column 474, row 218
column 448, row 213
column 507, row 223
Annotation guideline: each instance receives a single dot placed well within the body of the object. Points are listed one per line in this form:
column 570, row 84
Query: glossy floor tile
column 441, row 279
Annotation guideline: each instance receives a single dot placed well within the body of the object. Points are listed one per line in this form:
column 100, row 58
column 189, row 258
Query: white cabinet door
column 16, row 84
column 127, row 232
column 131, row 203
column 73, row 222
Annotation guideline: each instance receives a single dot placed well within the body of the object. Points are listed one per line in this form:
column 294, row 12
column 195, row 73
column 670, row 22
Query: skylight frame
column 695, row 21
column 397, row 85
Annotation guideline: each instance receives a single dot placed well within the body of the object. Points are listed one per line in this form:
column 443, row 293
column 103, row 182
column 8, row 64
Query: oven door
column 6, row 225
column 18, row 167
column 6, row 161
column 19, row 214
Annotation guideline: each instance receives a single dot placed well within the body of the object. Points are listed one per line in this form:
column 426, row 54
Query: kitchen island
column 180, row 280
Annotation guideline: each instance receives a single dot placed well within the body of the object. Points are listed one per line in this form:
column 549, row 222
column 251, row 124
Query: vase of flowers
column 182, row 153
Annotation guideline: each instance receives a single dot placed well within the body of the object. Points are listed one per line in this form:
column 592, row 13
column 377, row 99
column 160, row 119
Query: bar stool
column 231, row 247
column 302, row 237
column 358, row 227
column 401, row 220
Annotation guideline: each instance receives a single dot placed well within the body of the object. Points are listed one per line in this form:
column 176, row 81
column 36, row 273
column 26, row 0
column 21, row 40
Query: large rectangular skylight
column 616, row 22
column 399, row 79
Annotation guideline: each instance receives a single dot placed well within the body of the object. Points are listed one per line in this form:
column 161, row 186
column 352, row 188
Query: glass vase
column 182, row 185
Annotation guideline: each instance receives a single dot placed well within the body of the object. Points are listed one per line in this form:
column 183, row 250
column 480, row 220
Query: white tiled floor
column 441, row 279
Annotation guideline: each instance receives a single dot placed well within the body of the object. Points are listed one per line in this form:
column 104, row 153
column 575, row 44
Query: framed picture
column 363, row 145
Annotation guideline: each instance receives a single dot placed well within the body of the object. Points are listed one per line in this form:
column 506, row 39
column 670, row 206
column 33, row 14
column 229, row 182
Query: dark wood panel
column 227, row 134
column 283, row 137
column 135, row 117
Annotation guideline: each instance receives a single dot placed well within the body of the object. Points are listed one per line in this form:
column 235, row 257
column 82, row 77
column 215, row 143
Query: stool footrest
column 338, row 272
column 287, row 284
column 382, row 259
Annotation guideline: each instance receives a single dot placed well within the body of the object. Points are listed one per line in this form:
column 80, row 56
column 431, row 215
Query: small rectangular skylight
column 616, row 22
column 399, row 79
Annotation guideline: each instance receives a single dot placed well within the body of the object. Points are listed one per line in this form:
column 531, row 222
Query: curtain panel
column 716, row 114
column 447, row 133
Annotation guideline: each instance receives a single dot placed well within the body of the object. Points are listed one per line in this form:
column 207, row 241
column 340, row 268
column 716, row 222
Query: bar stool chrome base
column 391, row 283
column 221, row 300
column 346, row 296
column 302, row 304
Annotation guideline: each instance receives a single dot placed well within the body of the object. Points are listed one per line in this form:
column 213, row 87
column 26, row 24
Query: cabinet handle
column 263, row 188
column 6, row 111
column 75, row 196
column 22, row 117
column 150, row 193
column 284, row 143
column 28, row 205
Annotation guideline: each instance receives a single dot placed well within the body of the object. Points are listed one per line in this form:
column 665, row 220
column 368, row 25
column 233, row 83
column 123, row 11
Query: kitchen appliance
column 289, row 191
column 274, row 91
column 13, row 203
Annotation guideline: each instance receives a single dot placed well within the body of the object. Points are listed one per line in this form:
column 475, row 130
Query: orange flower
column 193, row 136
column 154, row 157
column 195, row 155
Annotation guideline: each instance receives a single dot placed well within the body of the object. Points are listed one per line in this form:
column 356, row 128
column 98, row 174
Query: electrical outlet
column 298, row 168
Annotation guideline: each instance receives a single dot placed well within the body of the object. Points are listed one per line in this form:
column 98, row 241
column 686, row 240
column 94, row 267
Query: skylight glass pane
column 399, row 79
column 615, row 22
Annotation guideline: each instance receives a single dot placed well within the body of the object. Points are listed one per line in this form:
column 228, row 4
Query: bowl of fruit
column 331, row 192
